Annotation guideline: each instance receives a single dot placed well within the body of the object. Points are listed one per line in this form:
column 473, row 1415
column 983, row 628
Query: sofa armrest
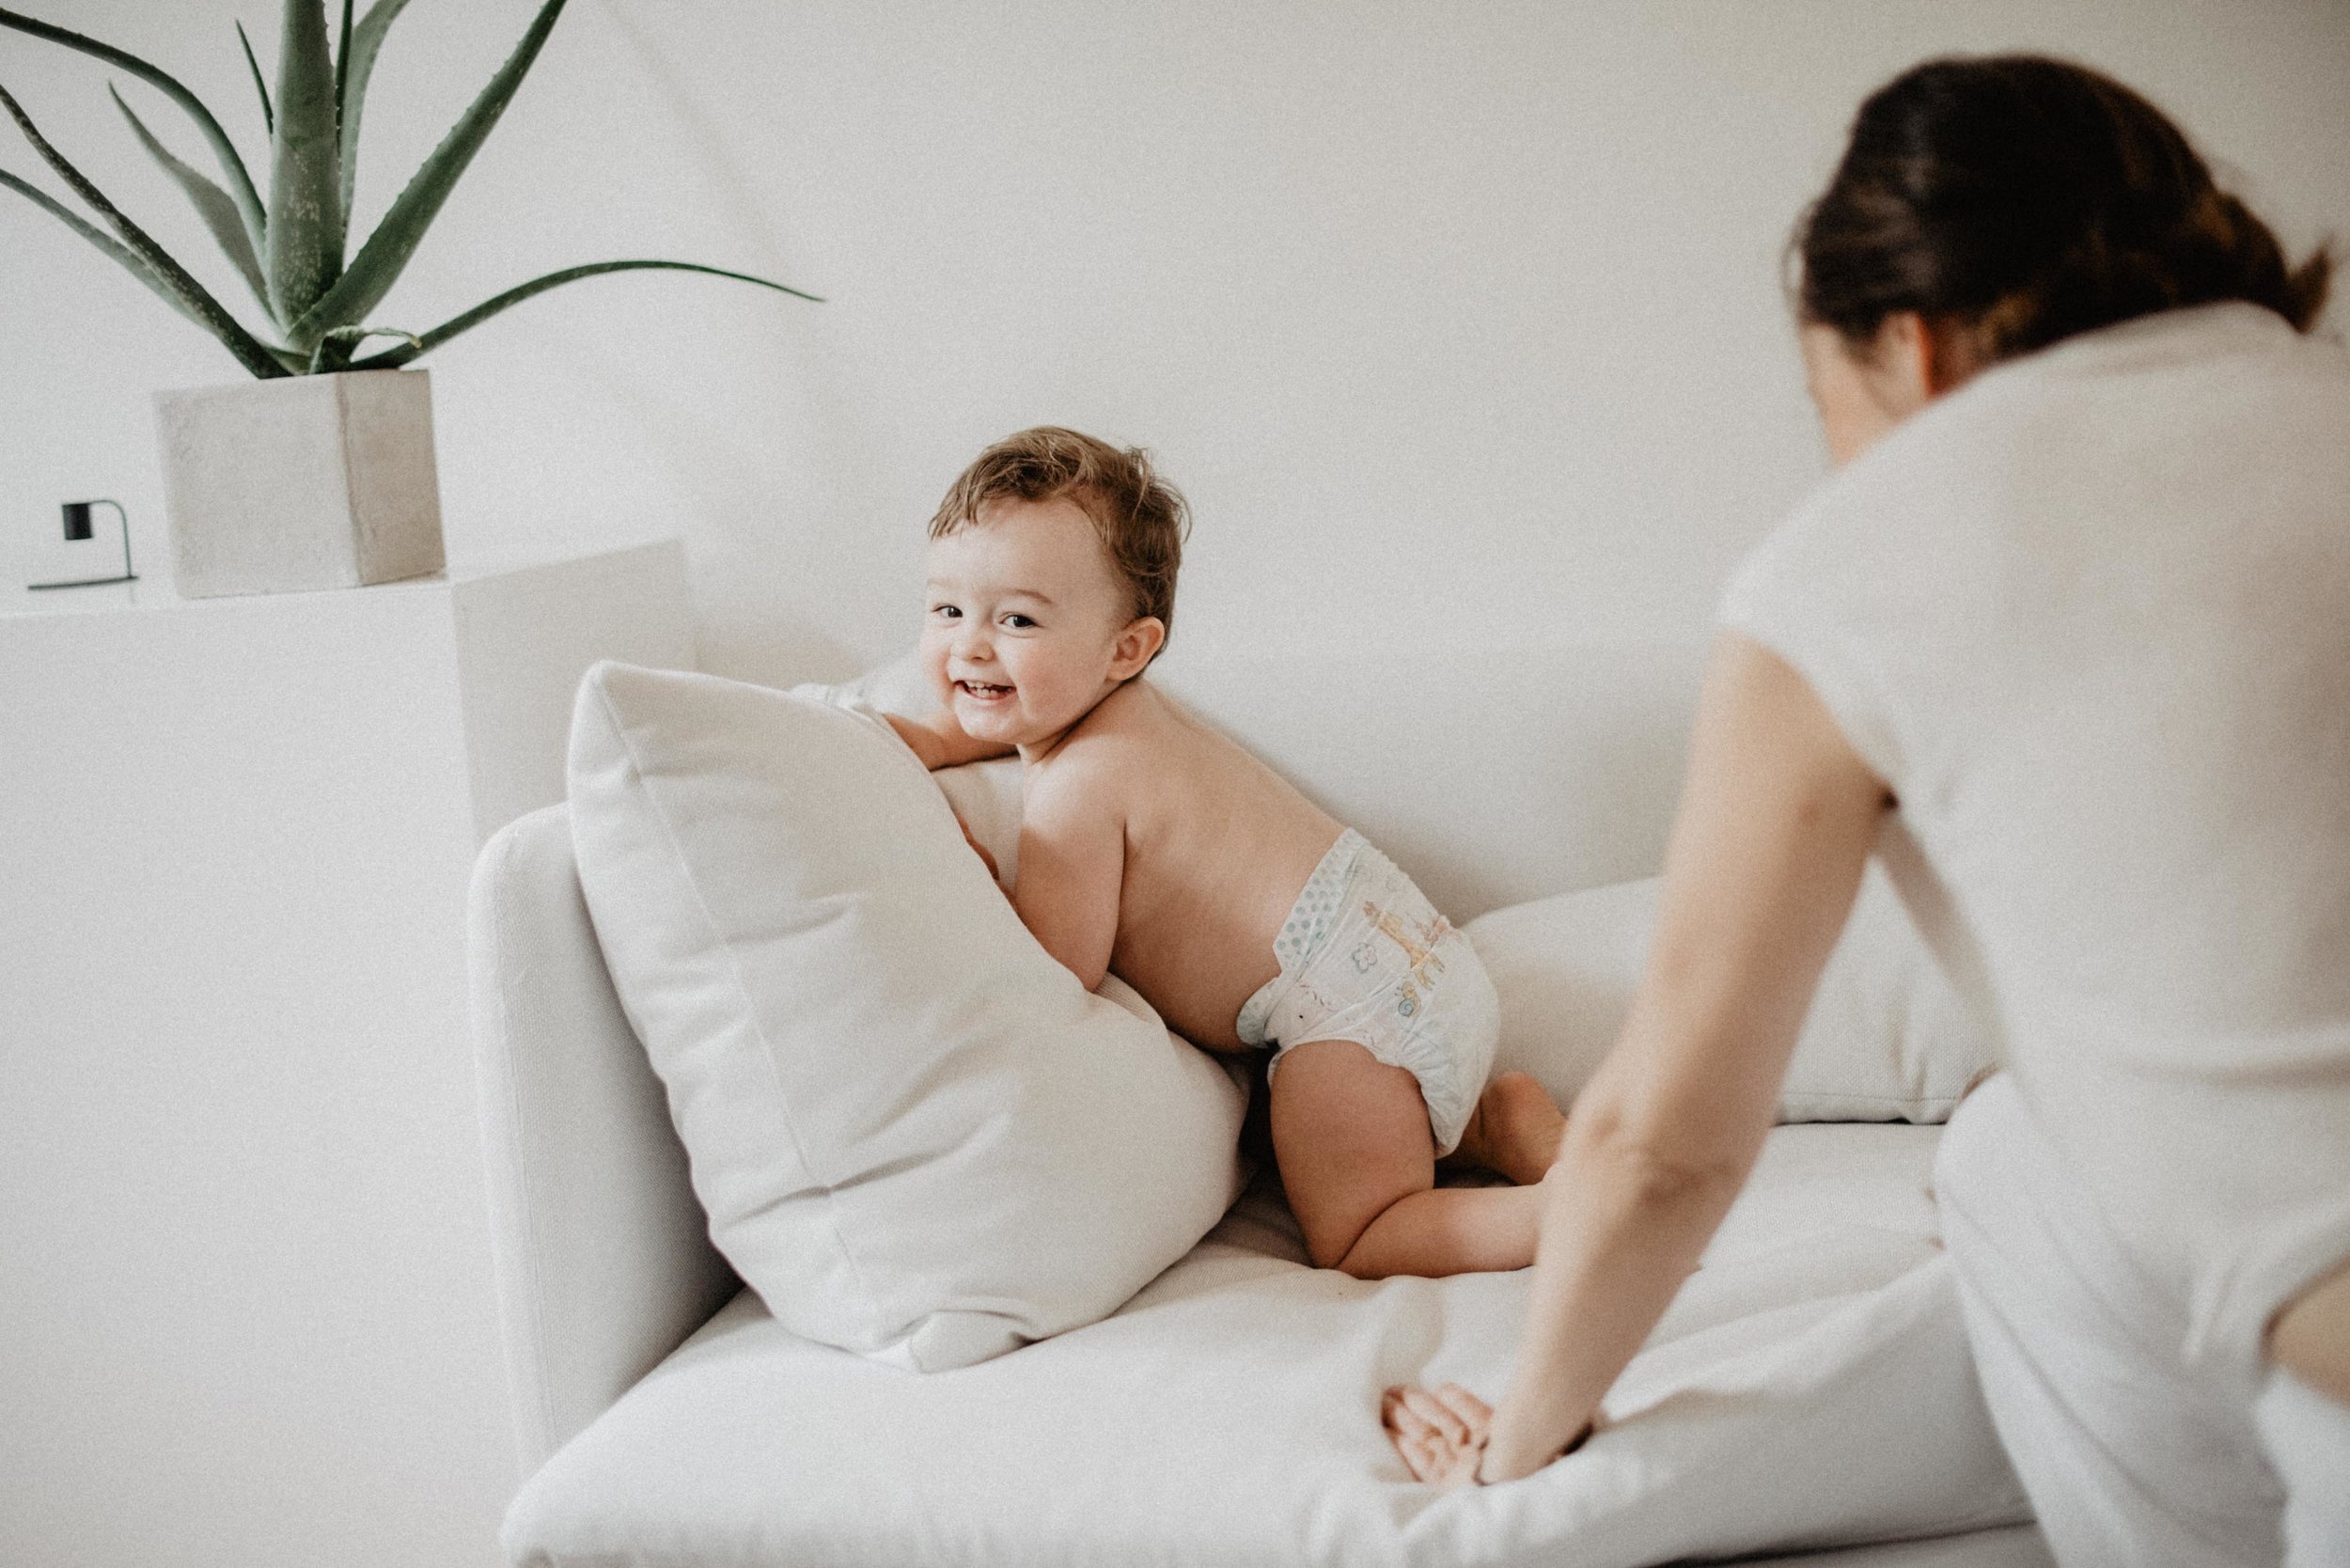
column 603, row 1265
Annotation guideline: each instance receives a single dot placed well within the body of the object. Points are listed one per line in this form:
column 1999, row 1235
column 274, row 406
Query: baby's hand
column 940, row 741
column 924, row 741
column 1441, row 1434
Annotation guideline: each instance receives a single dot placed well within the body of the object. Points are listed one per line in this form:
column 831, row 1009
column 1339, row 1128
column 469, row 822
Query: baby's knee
column 1337, row 1246
column 1357, row 1246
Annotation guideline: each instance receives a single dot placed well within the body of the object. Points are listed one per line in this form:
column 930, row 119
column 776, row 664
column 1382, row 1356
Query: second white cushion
column 1887, row 1038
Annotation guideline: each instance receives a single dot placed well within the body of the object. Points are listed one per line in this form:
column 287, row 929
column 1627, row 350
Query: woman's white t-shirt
column 2088, row 617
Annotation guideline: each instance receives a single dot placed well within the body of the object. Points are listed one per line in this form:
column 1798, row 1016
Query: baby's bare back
column 1217, row 847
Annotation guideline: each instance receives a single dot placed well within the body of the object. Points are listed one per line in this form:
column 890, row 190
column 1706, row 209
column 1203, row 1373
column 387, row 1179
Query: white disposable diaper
column 1365, row 957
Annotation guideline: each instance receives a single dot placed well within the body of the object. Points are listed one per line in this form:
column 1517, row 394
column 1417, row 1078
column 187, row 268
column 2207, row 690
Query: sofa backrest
column 1491, row 778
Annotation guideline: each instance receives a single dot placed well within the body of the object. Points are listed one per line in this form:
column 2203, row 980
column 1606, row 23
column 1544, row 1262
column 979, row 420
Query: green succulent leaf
column 377, row 267
column 239, row 182
column 393, row 358
column 269, row 115
column 106, row 243
column 342, row 67
column 357, row 64
column 210, row 202
column 334, row 349
column 306, row 209
column 251, row 351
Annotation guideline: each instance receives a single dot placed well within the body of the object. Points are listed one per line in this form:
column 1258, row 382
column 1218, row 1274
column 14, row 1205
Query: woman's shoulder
column 2062, row 437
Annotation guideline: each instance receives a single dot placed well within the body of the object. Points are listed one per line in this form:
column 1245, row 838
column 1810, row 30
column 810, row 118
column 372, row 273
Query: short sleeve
column 1792, row 595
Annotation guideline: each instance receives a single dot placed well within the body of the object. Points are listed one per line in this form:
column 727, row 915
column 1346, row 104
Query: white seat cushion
column 1811, row 1386
column 915, row 1134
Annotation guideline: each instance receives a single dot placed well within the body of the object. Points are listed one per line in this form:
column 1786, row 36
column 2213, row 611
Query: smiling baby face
column 1028, row 625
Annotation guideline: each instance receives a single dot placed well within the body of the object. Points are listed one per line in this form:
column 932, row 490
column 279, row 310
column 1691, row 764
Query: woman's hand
column 1441, row 1434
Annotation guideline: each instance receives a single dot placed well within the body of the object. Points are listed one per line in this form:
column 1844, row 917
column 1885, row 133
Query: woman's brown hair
column 2022, row 199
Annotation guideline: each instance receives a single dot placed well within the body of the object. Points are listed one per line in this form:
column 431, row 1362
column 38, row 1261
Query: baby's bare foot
column 1515, row 1130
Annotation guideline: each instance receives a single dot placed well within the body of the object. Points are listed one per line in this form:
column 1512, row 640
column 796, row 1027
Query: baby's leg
column 1350, row 1136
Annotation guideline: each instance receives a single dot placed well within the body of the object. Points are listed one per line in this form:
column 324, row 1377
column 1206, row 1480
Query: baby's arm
column 1073, row 862
column 941, row 743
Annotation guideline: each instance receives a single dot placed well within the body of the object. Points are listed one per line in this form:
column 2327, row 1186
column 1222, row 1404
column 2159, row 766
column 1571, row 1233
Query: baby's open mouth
column 984, row 692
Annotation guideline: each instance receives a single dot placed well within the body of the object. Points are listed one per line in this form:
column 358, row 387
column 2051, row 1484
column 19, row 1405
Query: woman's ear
column 1899, row 370
column 1136, row 645
column 1863, row 390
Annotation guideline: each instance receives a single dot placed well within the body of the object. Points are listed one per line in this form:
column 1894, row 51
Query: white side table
column 246, row 1306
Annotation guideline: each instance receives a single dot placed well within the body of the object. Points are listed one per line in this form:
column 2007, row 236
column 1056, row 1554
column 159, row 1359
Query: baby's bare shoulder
column 1122, row 751
column 1088, row 774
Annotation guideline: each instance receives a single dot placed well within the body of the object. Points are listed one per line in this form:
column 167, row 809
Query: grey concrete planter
column 305, row 483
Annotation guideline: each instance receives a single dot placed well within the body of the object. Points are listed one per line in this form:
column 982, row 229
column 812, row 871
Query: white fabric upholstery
column 915, row 1133
column 1888, row 1038
column 1811, row 1385
column 986, row 798
column 1492, row 779
column 602, row 1263
column 985, row 795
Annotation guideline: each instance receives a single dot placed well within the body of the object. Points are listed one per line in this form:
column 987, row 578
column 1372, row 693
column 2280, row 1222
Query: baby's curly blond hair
column 1140, row 519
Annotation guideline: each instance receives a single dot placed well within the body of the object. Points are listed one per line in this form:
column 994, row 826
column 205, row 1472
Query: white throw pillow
column 1886, row 1039
column 985, row 795
column 986, row 798
column 915, row 1134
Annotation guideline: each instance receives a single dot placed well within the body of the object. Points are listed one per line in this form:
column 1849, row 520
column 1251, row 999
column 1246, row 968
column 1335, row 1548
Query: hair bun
column 2029, row 200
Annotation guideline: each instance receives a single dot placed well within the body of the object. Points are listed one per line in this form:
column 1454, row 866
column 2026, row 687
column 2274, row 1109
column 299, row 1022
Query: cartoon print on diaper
column 1420, row 954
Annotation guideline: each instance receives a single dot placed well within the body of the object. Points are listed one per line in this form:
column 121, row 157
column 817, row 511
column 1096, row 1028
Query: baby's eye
column 1018, row 622
column 945, row 612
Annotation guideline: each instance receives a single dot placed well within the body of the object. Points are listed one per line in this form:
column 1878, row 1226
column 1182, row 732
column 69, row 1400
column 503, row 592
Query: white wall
column 1459, row 324
column 248, row 1315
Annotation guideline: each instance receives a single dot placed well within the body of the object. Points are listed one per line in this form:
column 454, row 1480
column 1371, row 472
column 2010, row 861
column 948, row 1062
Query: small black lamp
column 78, row 528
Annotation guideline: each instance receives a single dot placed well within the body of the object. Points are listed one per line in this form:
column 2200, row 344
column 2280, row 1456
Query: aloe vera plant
column 291, row 250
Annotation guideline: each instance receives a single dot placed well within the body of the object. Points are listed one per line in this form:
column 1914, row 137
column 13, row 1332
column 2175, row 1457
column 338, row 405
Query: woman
column 2066, row 640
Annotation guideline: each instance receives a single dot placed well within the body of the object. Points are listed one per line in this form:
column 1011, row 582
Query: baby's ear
column 1142, row 638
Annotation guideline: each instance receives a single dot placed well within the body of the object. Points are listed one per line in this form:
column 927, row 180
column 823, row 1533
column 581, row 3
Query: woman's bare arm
column 1776, row 822
column 2312, row 1336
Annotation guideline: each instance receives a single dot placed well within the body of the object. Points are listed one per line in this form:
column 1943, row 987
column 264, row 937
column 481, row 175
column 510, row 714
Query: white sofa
column 1809, row 1389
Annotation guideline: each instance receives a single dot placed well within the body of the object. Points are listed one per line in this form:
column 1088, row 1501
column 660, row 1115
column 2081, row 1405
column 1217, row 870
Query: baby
column 1152, row 846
